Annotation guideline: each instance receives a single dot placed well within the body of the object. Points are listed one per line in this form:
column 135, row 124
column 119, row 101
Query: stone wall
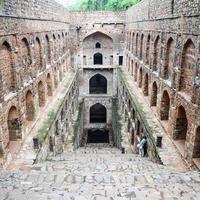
column 86, row 24
column 153, row 10
column 61, row 131
column 34, row 58
column 41, row 9
column 162, row 55
column 133, row 121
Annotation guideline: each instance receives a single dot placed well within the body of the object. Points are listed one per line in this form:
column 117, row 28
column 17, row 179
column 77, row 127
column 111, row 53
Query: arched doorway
column 181, row 124
column 154, row 94
column 38, row 54
column 136, row 72
column 51, row 144
column 165, row 106
column 132, row 71
column 30, row 109
column 47, row 49
column 98, row 59
column 148, row 50
column 133, row 137
column 55, row 77
column 13, row 124
column 146, row 85
column 141, row 46
column 98, row 45
column 49, row 85
column 133, row 114
column 136, row 46
column 132, row 42
column 196, row 152
column 98, row 136
column 98, row 84
column 41, row 94
column 168, row 67
column 156, row 54
column 187, row 67
column 140, row 78
column 98, row 114
column 7, row 69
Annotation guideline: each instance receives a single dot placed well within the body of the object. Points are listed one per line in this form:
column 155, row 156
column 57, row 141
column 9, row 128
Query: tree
column 112, row 5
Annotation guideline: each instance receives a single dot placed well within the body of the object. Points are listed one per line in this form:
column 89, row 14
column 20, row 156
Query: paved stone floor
column 99, row 173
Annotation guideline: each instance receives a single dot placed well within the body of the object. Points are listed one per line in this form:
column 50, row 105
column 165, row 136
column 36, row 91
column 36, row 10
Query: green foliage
column 43, row 132
column 111, row 5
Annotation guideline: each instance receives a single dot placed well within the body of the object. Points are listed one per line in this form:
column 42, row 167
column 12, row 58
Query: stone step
column 93, row 173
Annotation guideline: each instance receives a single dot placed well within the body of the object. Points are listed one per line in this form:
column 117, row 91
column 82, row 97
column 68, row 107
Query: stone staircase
column 99, row 172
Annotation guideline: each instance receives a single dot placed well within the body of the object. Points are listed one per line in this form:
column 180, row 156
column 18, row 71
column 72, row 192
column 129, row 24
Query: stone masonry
column 69, row 78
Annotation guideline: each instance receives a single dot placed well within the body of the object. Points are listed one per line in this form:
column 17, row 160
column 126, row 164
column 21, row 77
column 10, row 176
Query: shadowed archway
column 98, row 114
column 98, row 84
column 13, row 124
column 98, row 136
column 98, row 59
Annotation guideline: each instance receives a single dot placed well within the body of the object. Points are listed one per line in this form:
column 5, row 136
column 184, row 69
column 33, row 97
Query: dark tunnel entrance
column 98, row 136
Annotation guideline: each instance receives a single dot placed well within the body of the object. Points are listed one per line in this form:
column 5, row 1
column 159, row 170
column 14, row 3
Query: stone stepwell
column 99, row 172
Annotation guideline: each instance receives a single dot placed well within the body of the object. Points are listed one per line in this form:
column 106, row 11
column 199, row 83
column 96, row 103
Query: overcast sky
column 67, row 2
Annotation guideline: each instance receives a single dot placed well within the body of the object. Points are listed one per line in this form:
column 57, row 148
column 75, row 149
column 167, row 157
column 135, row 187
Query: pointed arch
column 146, row 85
column 133, row 43
column 165, row 106
column 98, row 59
column 26, row 53
column 98, row 114
column 148, row 49
column 98, row 84
column 30, row 108
column 54, row 47
column 136, row 46
column 7, row 69
column 154, row 95
column 140, row 78
column 188, row 69
column 136, row 72
column 181, row 124
column 98, row 45
column 48, row 49
column 38, row 54
column 13, row 124
column 49, row 85
column 141, row 46
column 41, row 94
column 196, row 150
column 156, row 53
column 169, row 60
column 55, row 77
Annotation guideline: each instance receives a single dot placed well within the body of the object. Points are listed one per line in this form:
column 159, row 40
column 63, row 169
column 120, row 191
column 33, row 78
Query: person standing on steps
column 142, row 146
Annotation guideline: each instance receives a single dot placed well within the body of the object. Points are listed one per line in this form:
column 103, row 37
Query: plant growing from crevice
column 43, row 132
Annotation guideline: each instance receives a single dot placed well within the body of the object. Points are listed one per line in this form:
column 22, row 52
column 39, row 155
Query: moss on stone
column 43, row 132
column 140, row 110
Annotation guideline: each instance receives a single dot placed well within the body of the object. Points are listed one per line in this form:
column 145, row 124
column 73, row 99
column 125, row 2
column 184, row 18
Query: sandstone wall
column 162, row 55
column 34, row 58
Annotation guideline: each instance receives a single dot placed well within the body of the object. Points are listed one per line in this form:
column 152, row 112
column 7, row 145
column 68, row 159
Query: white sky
column 66, row 2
